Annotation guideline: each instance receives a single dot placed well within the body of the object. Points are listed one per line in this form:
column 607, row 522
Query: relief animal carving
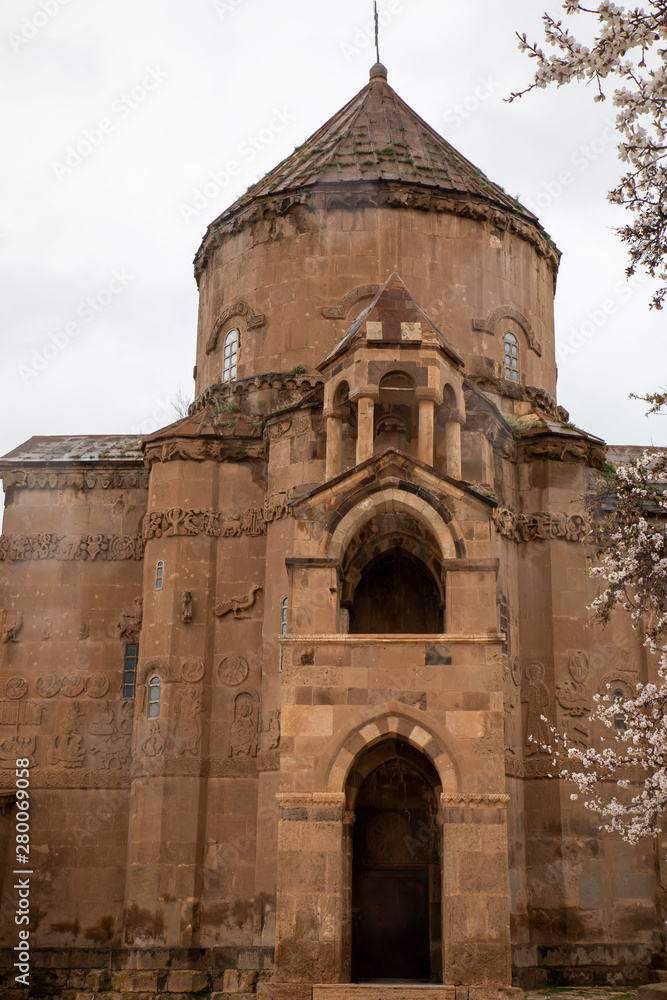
column 544, row 525
column 186, row 607
column 130, row 621
column 12, row 622
column 238, row 604
column 113, row 748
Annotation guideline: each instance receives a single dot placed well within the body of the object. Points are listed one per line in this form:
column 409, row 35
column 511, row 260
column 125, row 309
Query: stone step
column 383, row 991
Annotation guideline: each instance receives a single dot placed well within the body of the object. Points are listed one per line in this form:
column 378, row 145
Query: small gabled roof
column 77, row 448
column 377, row 137
column 393, row 306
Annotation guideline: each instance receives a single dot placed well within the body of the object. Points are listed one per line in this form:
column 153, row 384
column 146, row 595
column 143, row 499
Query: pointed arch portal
column 396, row 927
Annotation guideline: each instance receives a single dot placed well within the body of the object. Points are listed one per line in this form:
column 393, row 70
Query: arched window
column 283, row 628
column 153, row 697
column 619, row 714
column 230, row 356
column 159, row 575
column 130, row 669
column 504, row 624
column 511, row 357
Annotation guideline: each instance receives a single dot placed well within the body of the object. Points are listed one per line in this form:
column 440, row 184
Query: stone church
column 279, row 672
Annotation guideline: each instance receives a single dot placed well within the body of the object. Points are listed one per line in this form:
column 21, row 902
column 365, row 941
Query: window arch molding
column 495, row 323
column 229, row 318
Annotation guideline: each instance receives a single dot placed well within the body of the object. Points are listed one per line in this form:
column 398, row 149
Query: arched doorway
column 396, row 595
column 393, row 579
column 396, row 932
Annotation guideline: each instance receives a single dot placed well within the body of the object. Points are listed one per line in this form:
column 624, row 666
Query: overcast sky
column 159, row 96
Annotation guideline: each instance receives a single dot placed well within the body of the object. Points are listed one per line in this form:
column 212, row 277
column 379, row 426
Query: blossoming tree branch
column 627, row 55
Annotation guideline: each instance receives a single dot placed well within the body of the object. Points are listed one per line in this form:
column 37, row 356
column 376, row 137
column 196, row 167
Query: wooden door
column 390, row 924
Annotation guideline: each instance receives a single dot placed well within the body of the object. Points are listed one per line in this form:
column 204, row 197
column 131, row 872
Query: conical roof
column 378, row 137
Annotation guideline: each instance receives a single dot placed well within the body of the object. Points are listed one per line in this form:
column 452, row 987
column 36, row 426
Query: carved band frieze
column 121, row 479
column 248, row 521
column 492, row 799
column 44, row 545
column 546, row 525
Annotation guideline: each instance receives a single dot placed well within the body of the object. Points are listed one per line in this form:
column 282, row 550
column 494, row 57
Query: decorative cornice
column 560, row 447
column 460, row 639
column 490, row 800
column 280, row 381
column 374, row 195
column 107, row 479
column 95, row 547
column 543, row 526
column 302, row 800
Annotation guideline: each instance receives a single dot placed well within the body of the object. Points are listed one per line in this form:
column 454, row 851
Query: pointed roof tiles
column 378, row 137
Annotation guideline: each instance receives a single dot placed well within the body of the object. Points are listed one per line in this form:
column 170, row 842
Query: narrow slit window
column 230, row 356
column 511, row 357
column 283, row 628
column 153, row 697
column 504, row 624
column 130, row 669
column 619, row 714
column 159, row 575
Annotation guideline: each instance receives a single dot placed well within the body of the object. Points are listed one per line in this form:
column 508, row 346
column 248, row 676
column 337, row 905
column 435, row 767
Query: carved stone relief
column 574, row 698
column 244, row 730
column 118, row 480
column 48, row 685
column 545, row 525
column 46, row 631
column 67, row 748
column 105, row 548
column 243, row 521
column 233, row 670
column 238, row 604
column 12, row 747
column 129, row 625
column 12, row 622
column 97, row 686
column 111, row 747
column 271, row 734
column 186, row 607
column 187, row 731
column 192, row 671
column 20, row 713
column 535, row 694
column 72, row 685
column 154, row 744
column 16, row 687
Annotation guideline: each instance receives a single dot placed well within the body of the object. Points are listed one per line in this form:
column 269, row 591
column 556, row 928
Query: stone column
column 365, row 397
column 475, row 890
column 334, row 442
column 426, row 399
column 453, row 444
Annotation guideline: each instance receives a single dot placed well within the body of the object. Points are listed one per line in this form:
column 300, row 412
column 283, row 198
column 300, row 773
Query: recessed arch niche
column 393, row 578
column 395, row 876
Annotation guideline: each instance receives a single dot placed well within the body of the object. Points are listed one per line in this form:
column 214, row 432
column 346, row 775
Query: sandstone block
column 184, row 981
column 134, row 981
column 654, row 991
column 239, row 980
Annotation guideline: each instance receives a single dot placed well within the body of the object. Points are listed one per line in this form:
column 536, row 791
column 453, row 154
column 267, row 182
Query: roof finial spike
column 377, row 31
